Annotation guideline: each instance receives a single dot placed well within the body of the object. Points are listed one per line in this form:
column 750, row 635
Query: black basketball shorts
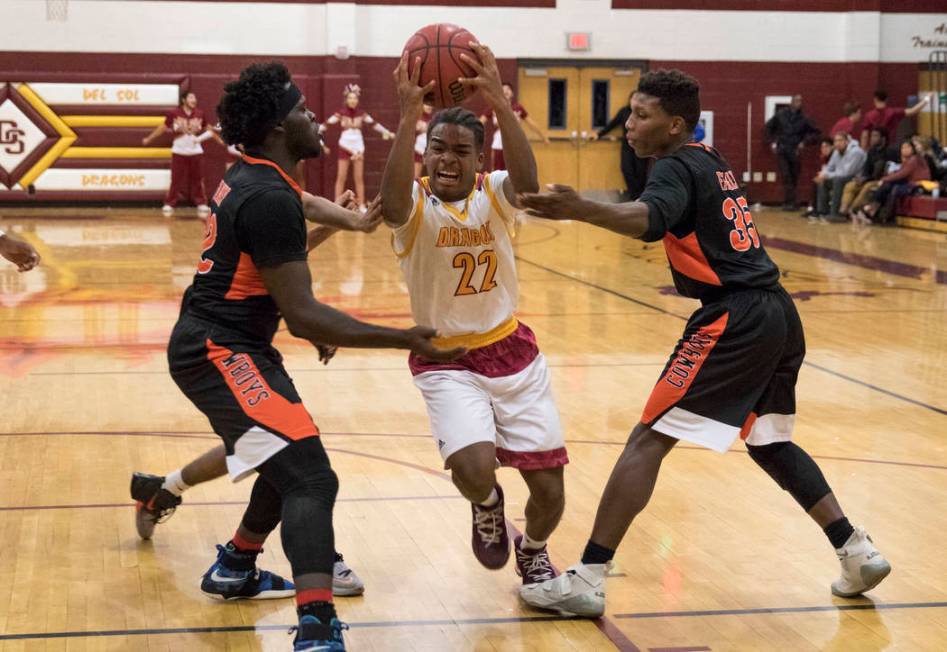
column 242, row 389
column 733, row 373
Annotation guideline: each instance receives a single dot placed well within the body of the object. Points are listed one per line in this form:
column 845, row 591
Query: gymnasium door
column 570, row 103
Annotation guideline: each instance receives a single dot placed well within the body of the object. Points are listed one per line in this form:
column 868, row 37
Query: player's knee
column 474, row 478
column 643, row 440
column 547, row 490
column 793, row 470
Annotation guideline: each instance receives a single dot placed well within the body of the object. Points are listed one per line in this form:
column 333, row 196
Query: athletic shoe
column 203, row 209
column 222, row 583
column 167, row 210
column 344, row 580
column 863, row 567
column 580, row 591
column 489, row 539
column 533, row 565
column 153, row 504
column 309, row 628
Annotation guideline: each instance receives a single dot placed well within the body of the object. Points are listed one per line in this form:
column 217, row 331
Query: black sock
column 838, row 532
column 596, row 554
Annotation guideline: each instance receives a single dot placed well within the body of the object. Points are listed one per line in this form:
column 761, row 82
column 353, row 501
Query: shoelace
column 488, row 524
column 537, row 566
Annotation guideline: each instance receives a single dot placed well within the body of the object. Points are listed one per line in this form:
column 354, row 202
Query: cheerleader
column 351, row 143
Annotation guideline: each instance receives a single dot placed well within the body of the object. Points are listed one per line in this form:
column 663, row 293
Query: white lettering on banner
column 100, row 179
column 108, row 94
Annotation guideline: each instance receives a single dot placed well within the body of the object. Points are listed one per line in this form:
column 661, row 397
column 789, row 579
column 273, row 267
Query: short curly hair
column 249, row 107
column 462, row 118
column 677, row 92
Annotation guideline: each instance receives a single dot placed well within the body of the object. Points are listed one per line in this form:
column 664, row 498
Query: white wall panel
column 381, row 30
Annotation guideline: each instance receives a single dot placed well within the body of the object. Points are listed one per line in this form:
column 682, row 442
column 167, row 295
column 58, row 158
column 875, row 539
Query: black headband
column 288, row 102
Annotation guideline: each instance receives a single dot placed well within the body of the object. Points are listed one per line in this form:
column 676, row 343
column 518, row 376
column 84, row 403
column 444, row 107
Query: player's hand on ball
column 420, row 341
column 410, row 93
column 560, row 203
column 326, row 352
column 488, row 79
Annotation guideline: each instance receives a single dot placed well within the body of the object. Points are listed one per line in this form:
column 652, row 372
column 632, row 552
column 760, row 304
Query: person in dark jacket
column 857, row 192
column 897, row 184
column 634, row 169
column 788, row 131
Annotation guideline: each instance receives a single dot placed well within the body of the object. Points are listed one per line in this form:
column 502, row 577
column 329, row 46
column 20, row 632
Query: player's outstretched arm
column 564, row 203
column 340, row 214
column 158, row 131
column 290, row 285
column 517, row 152
column 398, row 178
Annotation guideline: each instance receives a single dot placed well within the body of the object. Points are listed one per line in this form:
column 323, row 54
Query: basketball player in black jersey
column 251, row 273
column 733, row 372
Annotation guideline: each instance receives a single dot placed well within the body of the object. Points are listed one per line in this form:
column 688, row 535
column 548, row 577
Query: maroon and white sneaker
column 490, row 541
column 533, row 565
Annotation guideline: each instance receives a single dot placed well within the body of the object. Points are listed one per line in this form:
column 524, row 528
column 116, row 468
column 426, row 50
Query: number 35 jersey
column 457, row 261
column 696, row 207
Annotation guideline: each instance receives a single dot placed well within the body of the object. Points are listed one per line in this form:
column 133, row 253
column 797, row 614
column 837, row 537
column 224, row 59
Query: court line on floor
column 379, row 624
column 874, row 606
column 221, row 503
column 327, row 369
column 403, row 435
column 640, row 302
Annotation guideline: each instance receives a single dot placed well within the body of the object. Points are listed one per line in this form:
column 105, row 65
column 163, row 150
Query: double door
column 570, row 103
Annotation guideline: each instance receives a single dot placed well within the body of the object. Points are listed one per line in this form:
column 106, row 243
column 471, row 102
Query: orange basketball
column 439, row 46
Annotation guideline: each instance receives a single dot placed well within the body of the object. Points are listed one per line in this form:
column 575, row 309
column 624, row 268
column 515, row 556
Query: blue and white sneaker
column 222, row 583
column 310, row 629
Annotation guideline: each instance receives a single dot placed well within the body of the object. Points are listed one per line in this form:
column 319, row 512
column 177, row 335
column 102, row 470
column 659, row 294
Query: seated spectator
column 932, row 153
column 900, row 183
column 886, row 117
column 857, row 192
column 825, row 153
column 850, row 123
column 847, row 160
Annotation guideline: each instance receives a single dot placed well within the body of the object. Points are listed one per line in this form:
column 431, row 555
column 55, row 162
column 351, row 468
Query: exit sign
column 578, row 41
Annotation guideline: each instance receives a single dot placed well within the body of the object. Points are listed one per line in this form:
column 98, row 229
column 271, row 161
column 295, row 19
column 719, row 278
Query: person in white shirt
column 452, row 232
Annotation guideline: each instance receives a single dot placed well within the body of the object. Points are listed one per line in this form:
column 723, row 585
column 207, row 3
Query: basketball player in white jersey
column 452, row 233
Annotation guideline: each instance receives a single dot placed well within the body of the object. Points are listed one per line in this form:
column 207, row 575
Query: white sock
column 531, row 544
column 492, row 499
column 174, row 483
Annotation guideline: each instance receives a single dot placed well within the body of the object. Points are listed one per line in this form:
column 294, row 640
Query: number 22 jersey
column 458, row 264
column 696, row 207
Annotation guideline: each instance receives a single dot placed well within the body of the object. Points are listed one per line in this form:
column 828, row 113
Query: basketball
column 439, row 46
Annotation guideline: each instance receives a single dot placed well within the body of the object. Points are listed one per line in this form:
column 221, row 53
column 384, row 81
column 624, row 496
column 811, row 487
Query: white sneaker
column 344, row 580
column 863, row 567
column 167, row 211
column 203, row 209
column 580, row 591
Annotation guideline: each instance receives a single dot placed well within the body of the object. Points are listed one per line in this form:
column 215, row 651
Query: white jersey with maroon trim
column 458, row 264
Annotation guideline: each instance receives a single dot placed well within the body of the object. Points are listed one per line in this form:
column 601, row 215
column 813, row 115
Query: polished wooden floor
column 721, row 559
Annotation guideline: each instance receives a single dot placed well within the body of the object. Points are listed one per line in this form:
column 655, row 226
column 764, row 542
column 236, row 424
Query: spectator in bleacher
column 887, row 117
column 933, row 154
column 788, row 132
column 847, row 160
column 850, row 123
column 633, row 169
column 900, row 183
column 857, row 192
column 825, row 153
column 190, row 129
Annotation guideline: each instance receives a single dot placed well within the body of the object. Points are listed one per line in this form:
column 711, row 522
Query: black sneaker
column 153, row 504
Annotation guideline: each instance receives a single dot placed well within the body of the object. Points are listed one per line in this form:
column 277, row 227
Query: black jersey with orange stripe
column 697, row 208
column 256, row 221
